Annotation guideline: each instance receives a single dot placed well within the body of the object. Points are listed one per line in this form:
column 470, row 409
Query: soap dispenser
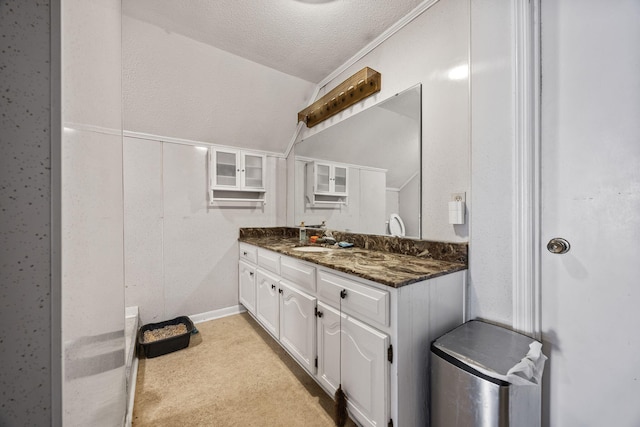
column 303, row 233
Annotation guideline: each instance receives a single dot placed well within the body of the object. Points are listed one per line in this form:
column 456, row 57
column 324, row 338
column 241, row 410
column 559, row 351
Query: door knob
column 558, row 245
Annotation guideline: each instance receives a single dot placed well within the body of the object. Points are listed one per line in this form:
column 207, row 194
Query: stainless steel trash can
column 469, row 366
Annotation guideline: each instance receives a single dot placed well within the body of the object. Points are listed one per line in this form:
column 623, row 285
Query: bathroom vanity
column 358, row 316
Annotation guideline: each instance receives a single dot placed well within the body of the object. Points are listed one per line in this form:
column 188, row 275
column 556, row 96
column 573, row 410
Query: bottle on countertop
column 303, row 233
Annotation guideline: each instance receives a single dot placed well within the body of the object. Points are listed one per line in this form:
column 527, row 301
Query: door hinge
column 316, row 362
column 390, row 424
column 390, row 354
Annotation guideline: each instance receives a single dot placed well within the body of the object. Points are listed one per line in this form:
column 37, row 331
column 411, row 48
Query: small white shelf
column 224, row 197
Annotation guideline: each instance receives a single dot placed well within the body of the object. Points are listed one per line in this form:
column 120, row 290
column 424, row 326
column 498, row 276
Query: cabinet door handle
column 320, row 314
column 244, row 253
column 280, row 291
column 251, row 273
column 273, row 286
column 343, row 293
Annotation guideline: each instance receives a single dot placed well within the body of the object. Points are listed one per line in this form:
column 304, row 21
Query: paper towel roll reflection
column 456, row 212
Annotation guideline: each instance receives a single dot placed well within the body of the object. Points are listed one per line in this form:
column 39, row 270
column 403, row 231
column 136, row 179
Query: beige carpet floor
column 232, row 374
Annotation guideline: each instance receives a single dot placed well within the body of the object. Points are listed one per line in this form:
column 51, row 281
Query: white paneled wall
column 372, row 196
column 93, row 344
column 181, row 254
column 409, row 207
column 143, row 210
column 492, row 192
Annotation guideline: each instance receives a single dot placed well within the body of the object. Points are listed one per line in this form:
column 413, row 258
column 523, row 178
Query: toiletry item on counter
column 313, row 239
column 303, row 233
column 345, row 244
column 329, row 240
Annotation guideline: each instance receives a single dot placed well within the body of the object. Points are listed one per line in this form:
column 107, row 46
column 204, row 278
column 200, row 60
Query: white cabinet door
column 365, row 372
column 297, row 325
column 225, row 169
column 328, row 330
column 267, row 304
column 365, row 368
column 322, row 175
column 339, row 180
column 252, row 171
column 247, row 286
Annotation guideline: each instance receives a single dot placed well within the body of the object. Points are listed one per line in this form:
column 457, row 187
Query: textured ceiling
column 304, row 38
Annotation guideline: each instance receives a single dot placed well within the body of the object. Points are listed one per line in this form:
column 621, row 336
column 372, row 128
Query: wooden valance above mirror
column 362, row 84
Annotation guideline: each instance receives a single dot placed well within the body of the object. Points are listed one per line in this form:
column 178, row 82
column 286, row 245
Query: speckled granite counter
column 386, row 260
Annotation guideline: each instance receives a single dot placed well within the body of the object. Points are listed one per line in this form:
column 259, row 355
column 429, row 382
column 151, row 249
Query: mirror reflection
column 363, row 174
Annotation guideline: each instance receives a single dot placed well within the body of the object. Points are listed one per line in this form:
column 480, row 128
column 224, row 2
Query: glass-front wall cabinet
column 237, row 170
column 236, row 176
column 330, row 179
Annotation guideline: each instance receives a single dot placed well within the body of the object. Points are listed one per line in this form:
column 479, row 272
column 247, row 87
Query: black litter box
column 166, row 345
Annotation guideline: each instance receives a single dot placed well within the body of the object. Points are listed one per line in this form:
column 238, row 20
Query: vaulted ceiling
column 304, row 38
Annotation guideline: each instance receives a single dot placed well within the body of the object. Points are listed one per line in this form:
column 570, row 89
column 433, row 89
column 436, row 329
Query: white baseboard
column 131, row 363
column 132, row 393
column 217, row 314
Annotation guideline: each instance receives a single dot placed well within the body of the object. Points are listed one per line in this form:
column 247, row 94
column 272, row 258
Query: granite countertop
column 387, row 268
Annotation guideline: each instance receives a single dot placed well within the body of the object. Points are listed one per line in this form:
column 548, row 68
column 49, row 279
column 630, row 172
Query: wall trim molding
column 526, row 163
column 81, row 127
column 191, row 142
column 351, row 165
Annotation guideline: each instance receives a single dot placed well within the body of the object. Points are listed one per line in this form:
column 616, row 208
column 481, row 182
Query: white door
column 591, row 197
column 298, row 325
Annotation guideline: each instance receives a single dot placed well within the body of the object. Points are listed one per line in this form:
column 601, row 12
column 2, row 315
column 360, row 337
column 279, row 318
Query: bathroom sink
column 312, row 249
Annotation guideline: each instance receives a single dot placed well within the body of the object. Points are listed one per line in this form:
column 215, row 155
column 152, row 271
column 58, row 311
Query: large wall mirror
column 363, row 174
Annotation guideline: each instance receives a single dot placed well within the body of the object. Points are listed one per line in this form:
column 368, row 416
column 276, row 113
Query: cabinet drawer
column 269, row 260
column 299, row 273
column 362, row 301
column 249, row 253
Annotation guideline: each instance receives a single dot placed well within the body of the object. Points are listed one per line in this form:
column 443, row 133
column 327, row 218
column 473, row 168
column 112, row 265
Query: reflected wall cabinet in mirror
column 326, row 183
column 358, row 172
